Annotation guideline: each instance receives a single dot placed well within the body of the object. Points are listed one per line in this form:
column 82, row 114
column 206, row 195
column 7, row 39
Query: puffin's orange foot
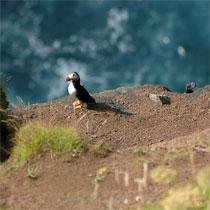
column 77, row 105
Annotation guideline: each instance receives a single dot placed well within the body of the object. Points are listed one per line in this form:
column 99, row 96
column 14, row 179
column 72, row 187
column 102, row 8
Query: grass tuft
column 163, row 175
column 190, row 196
column 101, row 174
column 176, row 154
column 185, row 198
column 152, row 206
column 35, row 138
column 99, row 150
column 203, row 181
column 140, row 156
column 32, row 172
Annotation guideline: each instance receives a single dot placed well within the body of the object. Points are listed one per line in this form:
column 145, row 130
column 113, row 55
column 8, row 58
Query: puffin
column 76, row 89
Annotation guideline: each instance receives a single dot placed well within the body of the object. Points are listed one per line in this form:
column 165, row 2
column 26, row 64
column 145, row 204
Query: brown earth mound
column 126, row 117
column 142, row 135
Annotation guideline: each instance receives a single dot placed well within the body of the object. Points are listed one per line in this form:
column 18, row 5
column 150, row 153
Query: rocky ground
column 130, row 125
column 127, row 117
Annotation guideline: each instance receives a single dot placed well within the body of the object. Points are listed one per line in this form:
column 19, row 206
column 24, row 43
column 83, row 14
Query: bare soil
column 124, row 121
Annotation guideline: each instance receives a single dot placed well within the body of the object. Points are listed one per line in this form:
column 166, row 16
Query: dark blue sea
column 109, row 43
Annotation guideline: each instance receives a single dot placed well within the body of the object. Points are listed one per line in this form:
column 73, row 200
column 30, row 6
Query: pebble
column 94, row 136
column 159, row 98
column 125, row 201
column 138, row 198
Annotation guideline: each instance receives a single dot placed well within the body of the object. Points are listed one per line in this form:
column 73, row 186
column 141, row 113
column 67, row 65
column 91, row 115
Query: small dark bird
column 189, row 88
column 79, row 91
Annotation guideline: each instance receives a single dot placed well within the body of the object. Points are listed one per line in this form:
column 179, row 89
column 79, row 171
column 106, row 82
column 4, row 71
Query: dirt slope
column 126, row 117
column 125, row 120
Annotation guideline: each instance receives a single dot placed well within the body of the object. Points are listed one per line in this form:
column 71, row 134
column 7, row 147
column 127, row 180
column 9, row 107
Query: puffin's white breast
column 71, row 89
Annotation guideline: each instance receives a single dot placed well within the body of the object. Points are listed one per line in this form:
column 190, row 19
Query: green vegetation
column 192, row 196
column 140, row 156
column 7, row 130
column 162, row 174
column 152, row 206
column 203, row 145
column 99, row 150
column 101, row 174
column 187, row 197
column 35, row 138
column 176, row 154
column 32, row 172
column 3, row 98
column 203, row 181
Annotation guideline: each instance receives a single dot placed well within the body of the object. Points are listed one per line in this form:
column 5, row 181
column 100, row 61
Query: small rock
column 66, row 107
column 125, row 201
column 94, row 136
column 138, row 198
column 160, row 98
column 33, row 115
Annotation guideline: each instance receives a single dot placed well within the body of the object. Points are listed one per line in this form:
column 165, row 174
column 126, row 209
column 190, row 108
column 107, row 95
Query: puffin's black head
column 73, row 77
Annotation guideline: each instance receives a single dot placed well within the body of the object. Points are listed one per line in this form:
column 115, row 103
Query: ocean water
column 109, row 43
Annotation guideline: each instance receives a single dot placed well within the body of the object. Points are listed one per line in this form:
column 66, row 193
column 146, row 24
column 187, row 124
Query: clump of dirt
column 142, row 135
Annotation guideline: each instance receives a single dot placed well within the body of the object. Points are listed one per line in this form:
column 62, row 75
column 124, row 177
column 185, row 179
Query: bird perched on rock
column 79, row 91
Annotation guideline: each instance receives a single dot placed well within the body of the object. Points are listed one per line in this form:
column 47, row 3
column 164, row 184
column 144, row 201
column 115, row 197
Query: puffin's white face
column 72, row 77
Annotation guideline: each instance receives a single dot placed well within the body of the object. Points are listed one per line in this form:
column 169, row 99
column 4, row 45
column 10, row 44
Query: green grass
column 32, row 172
column 35, row 138
column 203, row 181
column 152, row 206
column 186, row 198
column 191, row 196
column 101, row 174
column 176, row 154
column 140, row 156
column 163, row 175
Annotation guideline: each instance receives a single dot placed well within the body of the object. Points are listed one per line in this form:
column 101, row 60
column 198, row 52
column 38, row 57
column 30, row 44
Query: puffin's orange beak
column 68, row 79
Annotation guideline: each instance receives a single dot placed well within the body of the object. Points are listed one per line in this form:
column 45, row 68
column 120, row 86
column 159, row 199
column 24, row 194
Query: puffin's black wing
column 83, row 95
